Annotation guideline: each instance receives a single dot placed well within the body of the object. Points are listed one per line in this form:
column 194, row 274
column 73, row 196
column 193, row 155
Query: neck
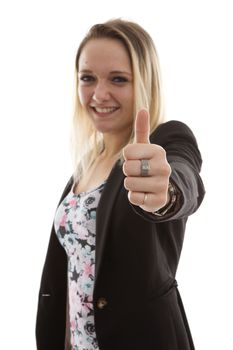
column 113, row 145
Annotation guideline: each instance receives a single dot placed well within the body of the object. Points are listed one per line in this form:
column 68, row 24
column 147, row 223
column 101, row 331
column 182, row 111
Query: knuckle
column 167, row 169
column 160, row 150
column 154, row 146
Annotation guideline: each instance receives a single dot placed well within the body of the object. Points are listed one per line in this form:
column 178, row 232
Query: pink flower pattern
column 74, row 224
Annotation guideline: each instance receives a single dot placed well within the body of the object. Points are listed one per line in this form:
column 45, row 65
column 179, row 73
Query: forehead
column 104, row 53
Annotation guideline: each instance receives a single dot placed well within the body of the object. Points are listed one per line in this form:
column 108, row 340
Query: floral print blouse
column 74, row 224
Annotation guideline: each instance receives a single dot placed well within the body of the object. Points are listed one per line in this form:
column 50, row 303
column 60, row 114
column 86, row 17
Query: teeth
column 105, row 110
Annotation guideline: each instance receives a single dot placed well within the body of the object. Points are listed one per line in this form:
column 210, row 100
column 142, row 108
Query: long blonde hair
column 87, row 142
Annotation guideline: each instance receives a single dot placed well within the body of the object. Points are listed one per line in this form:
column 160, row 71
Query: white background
column 37, row 51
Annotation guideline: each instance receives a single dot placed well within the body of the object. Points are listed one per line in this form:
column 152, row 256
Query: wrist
column 172, row 195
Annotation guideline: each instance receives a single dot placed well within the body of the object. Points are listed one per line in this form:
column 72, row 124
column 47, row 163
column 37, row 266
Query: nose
column 101, row 92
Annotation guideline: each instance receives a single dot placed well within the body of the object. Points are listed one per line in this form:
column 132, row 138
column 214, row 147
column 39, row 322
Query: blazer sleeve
column 185, row 160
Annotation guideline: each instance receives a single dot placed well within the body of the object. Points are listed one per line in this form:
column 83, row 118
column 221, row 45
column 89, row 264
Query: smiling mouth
column 105, row 110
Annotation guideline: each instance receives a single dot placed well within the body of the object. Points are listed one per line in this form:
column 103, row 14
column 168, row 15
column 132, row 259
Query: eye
column 86, row 78
column 120, row 79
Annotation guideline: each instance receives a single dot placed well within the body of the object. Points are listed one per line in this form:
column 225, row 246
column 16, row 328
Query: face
column 105, row 85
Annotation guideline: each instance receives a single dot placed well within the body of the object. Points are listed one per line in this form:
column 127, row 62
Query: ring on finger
column 145, row 198
column 144, row 167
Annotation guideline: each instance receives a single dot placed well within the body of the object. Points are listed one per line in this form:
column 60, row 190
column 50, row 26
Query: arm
column 185, row 161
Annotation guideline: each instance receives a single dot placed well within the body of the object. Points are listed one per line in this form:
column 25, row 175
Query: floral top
column 74, row 224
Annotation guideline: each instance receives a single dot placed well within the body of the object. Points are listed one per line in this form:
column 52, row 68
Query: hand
column 150, row 192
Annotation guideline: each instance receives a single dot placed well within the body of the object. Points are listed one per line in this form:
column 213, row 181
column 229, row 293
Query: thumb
column 142, row 127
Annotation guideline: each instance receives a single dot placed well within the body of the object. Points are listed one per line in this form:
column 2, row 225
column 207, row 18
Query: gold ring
column 145, row 198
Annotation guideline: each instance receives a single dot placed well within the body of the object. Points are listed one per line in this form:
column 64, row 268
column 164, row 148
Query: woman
column 109, row 277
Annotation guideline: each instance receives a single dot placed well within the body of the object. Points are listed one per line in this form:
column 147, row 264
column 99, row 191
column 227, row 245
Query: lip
column 99, row 106
column 104, row 114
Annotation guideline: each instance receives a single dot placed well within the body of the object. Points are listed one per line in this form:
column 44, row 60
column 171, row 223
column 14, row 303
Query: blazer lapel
column 103, row 215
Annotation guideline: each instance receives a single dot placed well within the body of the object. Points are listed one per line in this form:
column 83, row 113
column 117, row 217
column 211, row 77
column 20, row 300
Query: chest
column 97, row 173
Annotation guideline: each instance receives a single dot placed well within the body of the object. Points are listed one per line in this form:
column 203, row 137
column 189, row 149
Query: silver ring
column 145, row 167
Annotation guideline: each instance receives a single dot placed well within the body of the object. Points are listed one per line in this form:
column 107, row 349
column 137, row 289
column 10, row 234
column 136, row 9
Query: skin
column 101, row 87
column 156, row 184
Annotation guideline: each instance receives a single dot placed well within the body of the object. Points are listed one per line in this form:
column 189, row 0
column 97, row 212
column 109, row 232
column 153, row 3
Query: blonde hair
column 87, row 142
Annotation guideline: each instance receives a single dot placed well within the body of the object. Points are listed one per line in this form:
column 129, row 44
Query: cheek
column 84, row 95
column 122, row 97
column 128, row 100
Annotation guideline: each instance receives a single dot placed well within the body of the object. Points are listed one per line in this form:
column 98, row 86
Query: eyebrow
column 112, row 72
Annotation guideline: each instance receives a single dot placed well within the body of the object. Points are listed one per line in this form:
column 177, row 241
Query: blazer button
column 101, row 303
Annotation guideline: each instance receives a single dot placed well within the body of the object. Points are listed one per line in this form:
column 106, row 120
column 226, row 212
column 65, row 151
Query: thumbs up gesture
column 148, row 188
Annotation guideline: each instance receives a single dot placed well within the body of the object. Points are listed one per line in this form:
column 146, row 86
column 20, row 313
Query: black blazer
column 136, row 301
